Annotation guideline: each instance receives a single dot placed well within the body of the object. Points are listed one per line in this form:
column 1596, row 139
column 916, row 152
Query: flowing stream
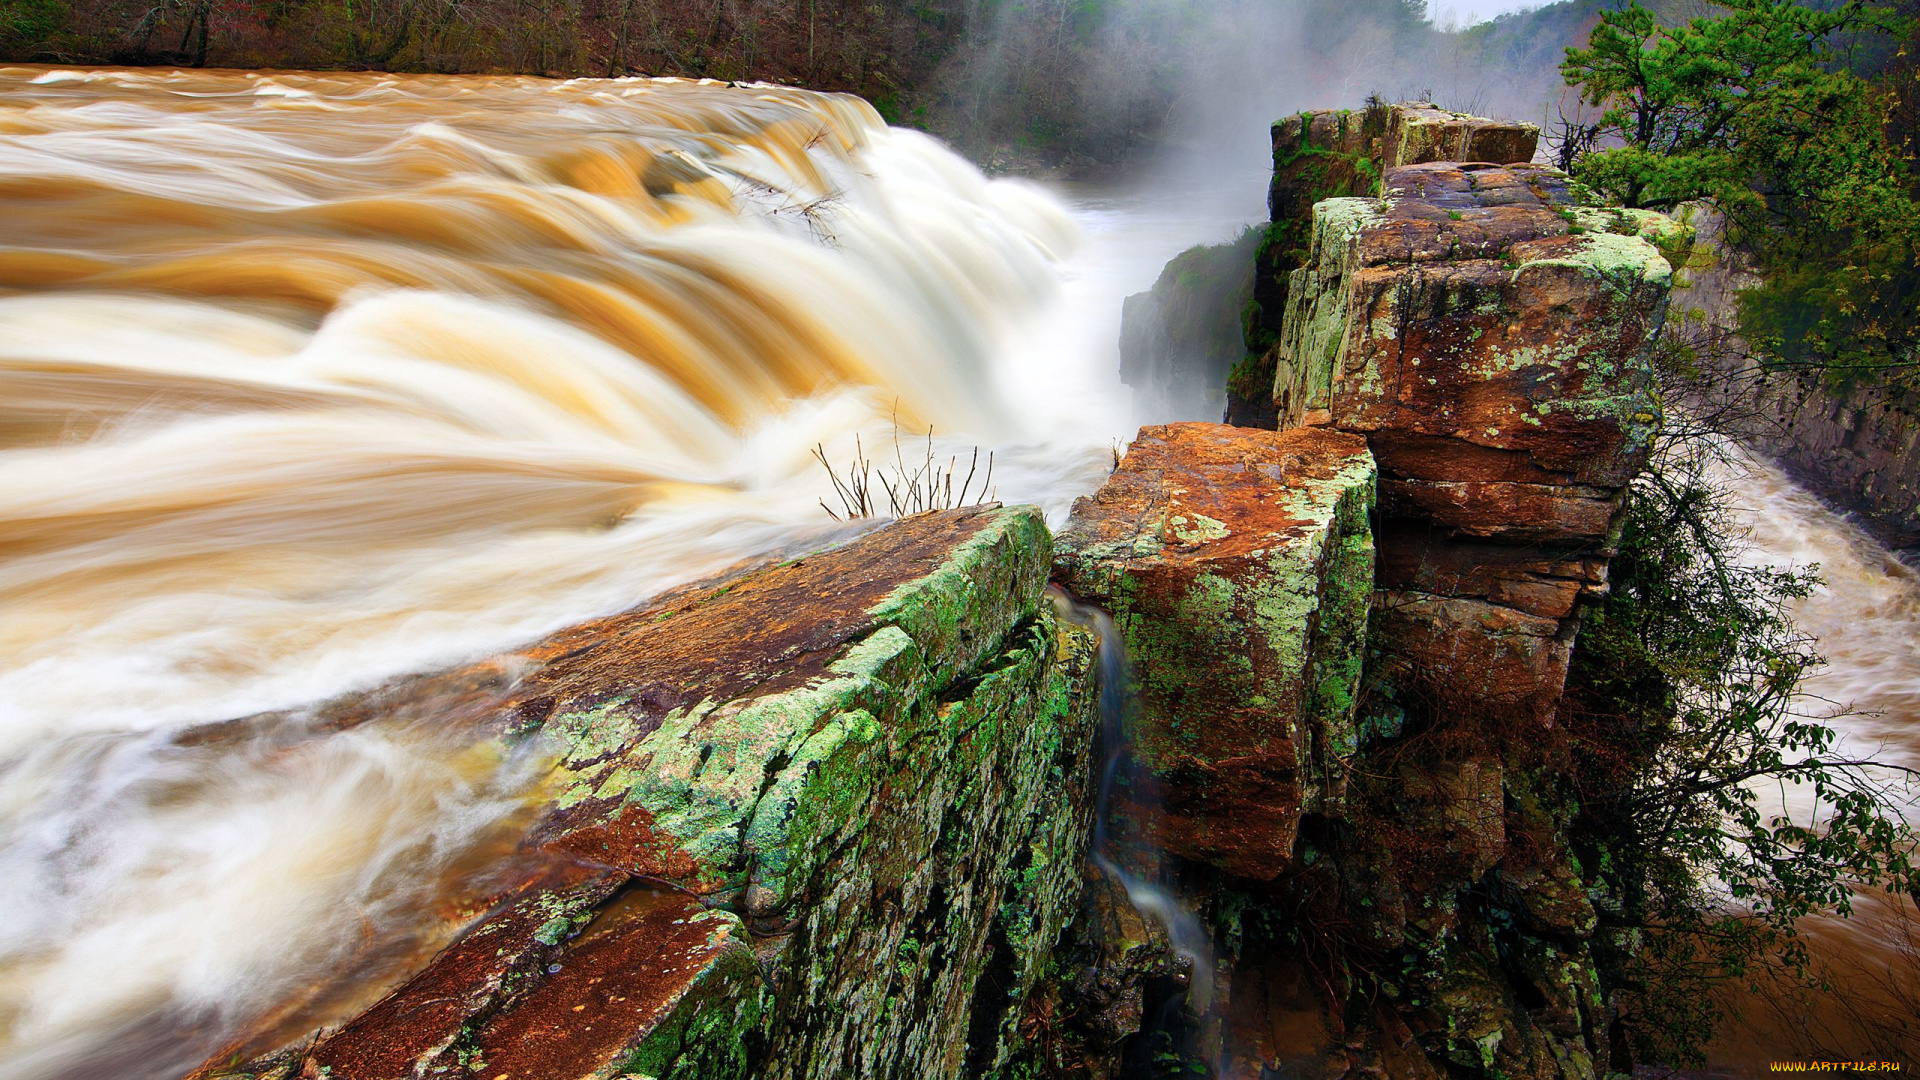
column 1190, row 940
column 312, row 381
column 1866, row 618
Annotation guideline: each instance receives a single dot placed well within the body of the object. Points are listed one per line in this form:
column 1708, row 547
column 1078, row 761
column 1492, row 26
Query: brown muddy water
column 312, row 381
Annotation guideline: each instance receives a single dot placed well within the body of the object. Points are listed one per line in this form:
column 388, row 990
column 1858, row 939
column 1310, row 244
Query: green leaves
column 1681, row 102
column 1685, row 696
column 30, row 24
column 1755, row 111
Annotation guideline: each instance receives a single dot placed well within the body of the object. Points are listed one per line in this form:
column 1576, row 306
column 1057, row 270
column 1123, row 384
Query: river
column 311, row 381
column 1865, row 616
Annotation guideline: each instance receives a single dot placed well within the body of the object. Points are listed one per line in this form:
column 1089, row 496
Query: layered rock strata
column 828, row 817
column 1239, row 566
column 1488, row 334
column 1330, row 154
column 1858, row 447
column 1391, row 888
column 824, row 819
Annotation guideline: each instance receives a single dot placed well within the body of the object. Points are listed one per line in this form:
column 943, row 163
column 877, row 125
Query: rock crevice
column 830, row 817
column 1473, row 336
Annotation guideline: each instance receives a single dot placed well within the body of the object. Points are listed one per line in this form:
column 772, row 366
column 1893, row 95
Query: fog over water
column 310, row 381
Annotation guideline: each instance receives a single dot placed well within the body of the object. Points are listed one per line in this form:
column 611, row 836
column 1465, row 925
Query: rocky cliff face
column 1179, row 338
column 834, row 817
column 1238, row 565
column 1857, row 446
column 1489, row 335
column 1331, row 154
column 824, row 819
column 1471, row 342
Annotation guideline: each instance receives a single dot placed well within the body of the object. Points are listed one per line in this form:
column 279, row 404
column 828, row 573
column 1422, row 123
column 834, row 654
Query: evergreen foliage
column 1794, row 121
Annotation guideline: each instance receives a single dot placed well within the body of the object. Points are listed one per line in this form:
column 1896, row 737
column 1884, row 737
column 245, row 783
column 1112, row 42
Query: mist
column 1193, row 87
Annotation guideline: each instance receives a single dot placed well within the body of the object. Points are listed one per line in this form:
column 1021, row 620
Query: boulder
column 1488, row 331
column 825, row 818
column 1330, row 154
column 1238, row 565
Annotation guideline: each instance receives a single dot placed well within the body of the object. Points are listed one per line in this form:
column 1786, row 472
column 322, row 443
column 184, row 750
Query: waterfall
column 1156, row 900
column 308, row 382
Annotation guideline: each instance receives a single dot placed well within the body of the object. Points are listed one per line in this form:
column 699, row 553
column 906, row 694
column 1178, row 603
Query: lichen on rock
column 1238, row 564
column 824, row 818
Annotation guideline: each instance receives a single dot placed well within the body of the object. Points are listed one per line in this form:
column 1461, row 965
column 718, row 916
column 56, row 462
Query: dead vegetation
column 927, row 484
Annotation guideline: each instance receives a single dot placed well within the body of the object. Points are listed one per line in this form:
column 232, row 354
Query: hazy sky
column 1469, row 12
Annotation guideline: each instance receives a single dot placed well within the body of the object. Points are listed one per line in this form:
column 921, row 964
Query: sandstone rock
column 1332, row 154
column 1421, row 132
column 1462, row 307
column 1279, row 1022
column 825, row 818
column 1316, row 155
column 1238, row 564
column 1322, row 155
column 1456, row 808
column 1471, row 656
column 1419, row 557
column 1487, row 331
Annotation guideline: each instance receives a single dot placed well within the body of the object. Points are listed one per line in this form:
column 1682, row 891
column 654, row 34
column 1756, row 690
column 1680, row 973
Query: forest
column 1053, row 81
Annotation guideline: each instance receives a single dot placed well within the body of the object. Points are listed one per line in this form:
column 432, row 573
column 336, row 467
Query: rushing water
column 1866, row 619
column 309, row 381
column 1187, row 936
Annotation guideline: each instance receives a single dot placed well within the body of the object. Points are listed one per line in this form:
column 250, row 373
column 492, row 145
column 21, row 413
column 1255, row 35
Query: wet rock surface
column 1487, row 331
column 825, row 818
column 1407, row 904
column 829, row 816
column 1238, row 565
column 1328, row 154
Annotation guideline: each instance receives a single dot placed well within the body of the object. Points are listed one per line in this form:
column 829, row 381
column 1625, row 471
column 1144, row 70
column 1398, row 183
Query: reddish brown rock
column 770, row 792
column 473, row 977
column 1329, row 154
column 1238, row 564
column 622, row 997
column 1464, row 307
column 1420, row 557
column 1487, row 331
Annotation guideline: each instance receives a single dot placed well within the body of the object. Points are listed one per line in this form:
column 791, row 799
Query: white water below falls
column 311, row 381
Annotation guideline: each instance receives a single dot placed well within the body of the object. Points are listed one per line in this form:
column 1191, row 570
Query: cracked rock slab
column 822, row 818
column 1239, row 565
